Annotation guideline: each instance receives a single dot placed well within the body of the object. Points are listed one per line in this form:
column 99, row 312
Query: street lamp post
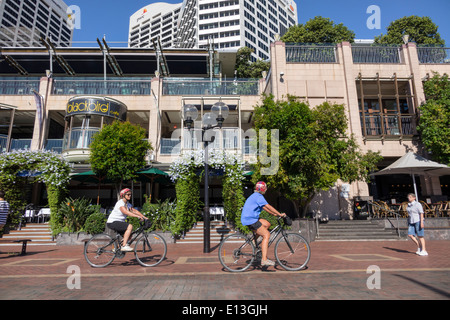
column 214, row 119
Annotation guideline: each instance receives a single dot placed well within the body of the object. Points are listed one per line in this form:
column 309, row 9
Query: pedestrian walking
column 416, row 224
column 4, row 209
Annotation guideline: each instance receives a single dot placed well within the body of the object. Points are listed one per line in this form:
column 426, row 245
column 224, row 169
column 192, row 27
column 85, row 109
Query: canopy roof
column 90, row 61
column 412, row 163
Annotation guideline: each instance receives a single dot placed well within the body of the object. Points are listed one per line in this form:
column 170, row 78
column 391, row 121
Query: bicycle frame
column 134, row 235
column 277, row 230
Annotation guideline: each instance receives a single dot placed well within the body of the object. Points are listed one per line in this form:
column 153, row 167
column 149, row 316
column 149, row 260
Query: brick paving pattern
column 337, row 270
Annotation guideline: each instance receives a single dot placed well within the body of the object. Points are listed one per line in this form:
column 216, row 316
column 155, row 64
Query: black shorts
column 118, row 226
column 255, row 226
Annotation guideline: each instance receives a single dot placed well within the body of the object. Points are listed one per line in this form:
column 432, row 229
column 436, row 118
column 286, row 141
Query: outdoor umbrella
column 153, row 175
column 90, row 177
column 152, row 171
column 413, row 164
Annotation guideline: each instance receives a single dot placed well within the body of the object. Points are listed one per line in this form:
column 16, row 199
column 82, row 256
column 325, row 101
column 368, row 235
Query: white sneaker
column 126, row 248
column 418, row 251
column 423, row 253
column 267, row 263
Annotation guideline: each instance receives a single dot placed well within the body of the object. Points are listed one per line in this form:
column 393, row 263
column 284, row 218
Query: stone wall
column 435, row 228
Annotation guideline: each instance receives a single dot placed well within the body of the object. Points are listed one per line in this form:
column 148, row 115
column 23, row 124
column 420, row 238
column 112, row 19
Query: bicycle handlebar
column 287, row 220
column 145, row 223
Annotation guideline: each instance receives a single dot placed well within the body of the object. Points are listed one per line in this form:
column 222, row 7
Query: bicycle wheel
column 99, row 251
column 150, row 249
column 292, row 251
column 236, row 253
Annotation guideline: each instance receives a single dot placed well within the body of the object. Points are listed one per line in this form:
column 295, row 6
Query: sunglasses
column 128, row 194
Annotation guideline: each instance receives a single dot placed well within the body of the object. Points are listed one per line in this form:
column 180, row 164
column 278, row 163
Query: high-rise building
column 153, row 21
column 227, row 23
column 24, row 22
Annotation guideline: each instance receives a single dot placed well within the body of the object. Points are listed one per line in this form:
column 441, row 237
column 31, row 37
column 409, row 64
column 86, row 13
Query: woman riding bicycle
column 116, row 220
column 250, row 217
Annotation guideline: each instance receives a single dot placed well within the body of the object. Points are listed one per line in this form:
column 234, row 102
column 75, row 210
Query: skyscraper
column 228, row 23
column 155, row 20
column 23, row 22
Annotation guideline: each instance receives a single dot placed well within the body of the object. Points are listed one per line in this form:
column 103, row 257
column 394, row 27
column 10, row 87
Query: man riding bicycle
column 250, row 217
column 116, row 220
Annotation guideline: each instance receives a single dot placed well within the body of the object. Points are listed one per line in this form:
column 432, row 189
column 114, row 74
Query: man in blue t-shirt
column 250, row 217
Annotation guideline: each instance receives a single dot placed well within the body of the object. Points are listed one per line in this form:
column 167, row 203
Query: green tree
column 318, row 30
column 118, row 151
column 314, row 149
column 247, row 69
column 434, row 121
column 421, row 30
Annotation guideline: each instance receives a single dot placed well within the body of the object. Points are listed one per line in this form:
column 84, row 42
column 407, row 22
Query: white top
column 414, row 210
column 116, row 214
column 4, row 211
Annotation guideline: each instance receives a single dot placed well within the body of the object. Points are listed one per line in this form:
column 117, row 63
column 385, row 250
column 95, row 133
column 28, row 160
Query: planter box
column 70, row 239
column 306, row 226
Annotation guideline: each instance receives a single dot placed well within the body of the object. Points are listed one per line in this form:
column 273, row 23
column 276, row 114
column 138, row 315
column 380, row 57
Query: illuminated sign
column 96, row 105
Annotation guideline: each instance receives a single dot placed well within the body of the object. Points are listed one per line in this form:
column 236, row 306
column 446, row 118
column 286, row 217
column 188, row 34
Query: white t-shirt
column 4, row 211
column 414, row 210
column 116, row 214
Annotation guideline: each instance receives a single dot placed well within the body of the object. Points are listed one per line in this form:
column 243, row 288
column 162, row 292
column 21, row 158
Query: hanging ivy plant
column 183, row 172
column 45, row 166
column 233, row 191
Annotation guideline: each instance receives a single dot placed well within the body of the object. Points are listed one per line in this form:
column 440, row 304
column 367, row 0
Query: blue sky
column 111, row 17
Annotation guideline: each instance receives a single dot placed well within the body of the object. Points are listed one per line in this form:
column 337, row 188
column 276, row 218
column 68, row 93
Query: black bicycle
column 238, row 252
column 150, row 249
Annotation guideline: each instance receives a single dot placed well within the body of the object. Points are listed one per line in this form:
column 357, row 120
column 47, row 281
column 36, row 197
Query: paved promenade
column 337, row 270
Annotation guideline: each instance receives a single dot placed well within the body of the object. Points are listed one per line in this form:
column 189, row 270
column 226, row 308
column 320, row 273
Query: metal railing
column 376, row 54
column 109, row 87
column 374, row 204
column 391, row 125
column 78, row 138
column 433, row 55
column 311, row 53
column 18, row 87
column 170, row 146
column 19, row 144
column 3, row 142
column 55, row 145
column 189, row 86
column 228, row 141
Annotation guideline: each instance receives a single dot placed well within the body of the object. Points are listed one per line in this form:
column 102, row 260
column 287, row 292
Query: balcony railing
column 3, row 142
column 391, row 125
column 55, row 145
column 189, row 86
column 228, row 141
column 12, row 86
column 18, row 144
column 78, row 138
column 433, row 55
column 109, row 87
column 170, row 146
column 311, row 53
column 375, row 54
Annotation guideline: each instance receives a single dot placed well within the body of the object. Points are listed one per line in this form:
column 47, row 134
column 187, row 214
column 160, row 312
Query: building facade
column 24, row 22
column 227, row 24
column 157, row 20
column 381, row 88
